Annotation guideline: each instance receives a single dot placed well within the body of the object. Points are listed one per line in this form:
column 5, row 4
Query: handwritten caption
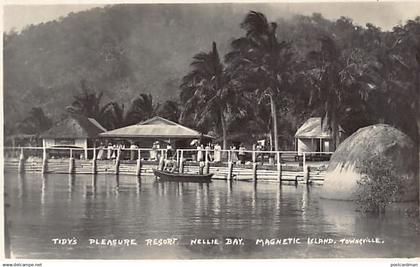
column 226, row 241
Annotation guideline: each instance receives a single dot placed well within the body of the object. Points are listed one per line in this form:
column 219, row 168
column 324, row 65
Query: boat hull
column 185, row 177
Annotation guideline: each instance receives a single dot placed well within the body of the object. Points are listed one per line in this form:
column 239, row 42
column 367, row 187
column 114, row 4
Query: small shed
column 313, row 137
column 75, row 131
column 156, row 129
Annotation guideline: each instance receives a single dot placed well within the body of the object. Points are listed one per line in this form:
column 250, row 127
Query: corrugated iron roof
column 75, row 126
column 156, row 127
column 312, row 128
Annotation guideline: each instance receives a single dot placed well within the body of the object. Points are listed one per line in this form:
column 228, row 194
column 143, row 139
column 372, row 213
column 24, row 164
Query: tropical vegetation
column 379, row 186
column 261, row 77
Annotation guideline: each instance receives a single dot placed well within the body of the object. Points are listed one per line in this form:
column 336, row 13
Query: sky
column 383, row 14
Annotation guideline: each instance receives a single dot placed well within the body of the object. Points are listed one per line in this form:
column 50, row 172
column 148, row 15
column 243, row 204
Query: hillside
column 121, row 50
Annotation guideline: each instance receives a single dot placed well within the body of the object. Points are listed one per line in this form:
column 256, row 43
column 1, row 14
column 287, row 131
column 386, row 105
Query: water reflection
column 94, row 181
column 117, row 182
column 71, row 186
column 109, row 206
column 254, row 197
column 305, row 201
column 180, row 189
column 44, row 185
column 21, row 186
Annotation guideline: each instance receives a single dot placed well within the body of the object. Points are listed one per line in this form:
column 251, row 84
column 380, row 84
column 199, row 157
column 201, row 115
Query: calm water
column 61, row 206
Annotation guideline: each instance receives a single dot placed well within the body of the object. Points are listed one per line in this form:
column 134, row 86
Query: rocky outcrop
column 366, row 144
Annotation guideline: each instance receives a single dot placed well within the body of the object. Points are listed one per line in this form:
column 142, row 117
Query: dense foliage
column 379, row 185
column 115, row 66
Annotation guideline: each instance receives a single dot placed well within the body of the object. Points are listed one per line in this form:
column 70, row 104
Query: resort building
column 155, row 129
column 313, row 137
column 76, row 131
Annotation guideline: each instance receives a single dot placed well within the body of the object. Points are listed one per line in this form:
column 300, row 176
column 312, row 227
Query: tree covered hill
column 352, row 75
column 121, row 50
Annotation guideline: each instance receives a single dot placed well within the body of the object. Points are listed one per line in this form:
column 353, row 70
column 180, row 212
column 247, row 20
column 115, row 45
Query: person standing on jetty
column 100, row 151
column 200, row 149
column 133, row 151
column 153, row 152
column 209, row 148
column 109, row 152
column 234, row 154
column 217, row 153
column 242, row 153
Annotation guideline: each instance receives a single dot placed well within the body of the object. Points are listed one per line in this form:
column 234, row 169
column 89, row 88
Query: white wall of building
column 67, row 142
column 50, row 142
column 311, row 145
column 306, row 145
column 327, row 146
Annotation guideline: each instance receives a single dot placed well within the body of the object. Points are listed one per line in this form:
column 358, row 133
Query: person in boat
column 169, row 151
column 170, row 166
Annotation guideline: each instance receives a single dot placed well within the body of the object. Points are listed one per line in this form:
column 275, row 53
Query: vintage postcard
column 228, row 130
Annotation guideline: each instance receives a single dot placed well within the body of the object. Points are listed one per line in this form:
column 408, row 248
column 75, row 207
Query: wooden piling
column 138, row 167
column 94, row 167
column 44, row 161
column 206, row 162
column 279, row 167
column 71, row 162
column 307, row 175
column 117, row 162
column 181, row 162
column 254, row 171
column 230, row 170
column 21, row 167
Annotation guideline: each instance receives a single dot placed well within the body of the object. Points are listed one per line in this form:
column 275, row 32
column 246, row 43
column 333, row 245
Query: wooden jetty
column 283, row 169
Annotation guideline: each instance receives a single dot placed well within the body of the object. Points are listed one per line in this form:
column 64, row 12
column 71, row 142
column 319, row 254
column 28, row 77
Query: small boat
column 186, row 177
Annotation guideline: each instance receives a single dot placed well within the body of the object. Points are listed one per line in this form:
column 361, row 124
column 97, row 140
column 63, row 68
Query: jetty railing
column 231, row 163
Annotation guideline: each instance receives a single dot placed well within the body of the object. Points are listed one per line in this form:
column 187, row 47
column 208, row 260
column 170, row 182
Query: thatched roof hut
column 75, row 131
column 73, row 127
column 366, row 144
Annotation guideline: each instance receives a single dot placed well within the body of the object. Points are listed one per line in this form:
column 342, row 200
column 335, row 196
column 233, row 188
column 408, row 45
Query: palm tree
column 326, row 82
column 87, row 102
column 113, row 116
column 141, row 108
column 407, row 62
column 406, row 55
column 170, row 110
column 207, row 93
column 336, row 76
column 261, row 62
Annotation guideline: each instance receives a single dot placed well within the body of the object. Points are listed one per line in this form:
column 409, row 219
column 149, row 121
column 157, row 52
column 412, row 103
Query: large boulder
column 366, row 144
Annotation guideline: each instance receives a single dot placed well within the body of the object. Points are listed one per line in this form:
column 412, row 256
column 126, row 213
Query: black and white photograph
column 185, row 131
